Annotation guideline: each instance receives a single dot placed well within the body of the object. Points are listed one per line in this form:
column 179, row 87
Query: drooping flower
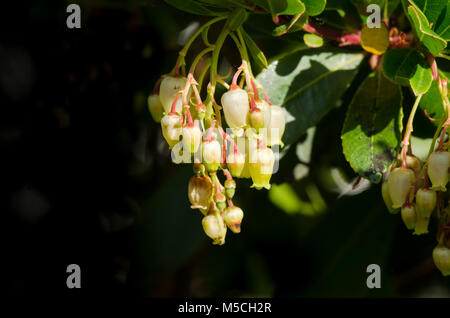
column 235, row 107
column 171, row 128
column 399, row 182
column 261, row 167
column 155, row 107
column 233, row 218
column 169, row 88
column 200, row 190
column 275, row 130
column 438, row 165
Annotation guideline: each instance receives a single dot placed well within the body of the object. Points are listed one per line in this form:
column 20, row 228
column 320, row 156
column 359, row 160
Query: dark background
column 88, row 179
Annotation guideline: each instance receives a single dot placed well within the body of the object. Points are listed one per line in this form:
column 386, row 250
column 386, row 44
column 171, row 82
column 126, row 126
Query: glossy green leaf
column 425, row 34
column 442, row 27
column 256, row 53
column 312, row 40
column 430, row 8
column 308, row 84
column 191, row 6
column 372, row 127
column 408, row 67
column 314, row 7
column 432, row 103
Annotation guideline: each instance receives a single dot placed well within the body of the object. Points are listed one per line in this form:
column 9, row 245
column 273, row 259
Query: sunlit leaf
column 308, row 84
column 372, row 127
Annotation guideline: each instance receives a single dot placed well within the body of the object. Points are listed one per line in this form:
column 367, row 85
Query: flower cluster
column 416, row 190
column 192, row 127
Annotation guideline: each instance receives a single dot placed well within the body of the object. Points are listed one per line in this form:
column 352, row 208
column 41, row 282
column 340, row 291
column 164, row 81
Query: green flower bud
column 211, row 152
column 438, row 165
column 199, row 168
column 220, row 200
column 399, row 182
column 192, row 137
column 387, row 197
column 421, row 225
column 261, row 168
column 441, row 258
column 171, row 128
column 200, row 190
column 230, row 187
column 233, row 218
column 409, row 216
column 425, row 202
column 155, row 107
column 215, row 228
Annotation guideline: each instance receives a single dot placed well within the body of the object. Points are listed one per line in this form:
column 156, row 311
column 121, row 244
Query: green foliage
column 256, row 53
column 372, row 128
column 308, row 84
column 408, row 67
column 423, row 30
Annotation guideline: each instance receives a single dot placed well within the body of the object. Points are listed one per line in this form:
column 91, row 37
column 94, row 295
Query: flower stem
column 409, row 129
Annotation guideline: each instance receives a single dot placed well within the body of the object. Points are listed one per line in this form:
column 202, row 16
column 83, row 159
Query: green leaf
column 191, row 7
column 256, row 53
column 431, row 8
column 308, row 84
column 425, row 34
column 315, row 7
column 372, row 127
column 432, row 103
column 408, row 67
column 442, row 27
column 293, row 7
column 312, row 40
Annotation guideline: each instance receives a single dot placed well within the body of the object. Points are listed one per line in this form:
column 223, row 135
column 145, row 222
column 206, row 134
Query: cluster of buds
column 192, row 127
column 417, row 190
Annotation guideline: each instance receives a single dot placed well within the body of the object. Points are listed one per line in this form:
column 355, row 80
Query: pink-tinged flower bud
column 261, row 168
column 387, row 197
column 412, row 162
column 220, row 200
column 192, row 137
column 425, row 202
column 171, row 128
column 230, row 187
column 277, row 125
column 200, row 190
column 421, row 225
column 265, row 109
column 169, row 88
column 409, row 216
column 441, row 258
column 438, row 165
column 233, row 218
column 211, row 152
column 235, row 108
column 256, row 118
column 155, row 107
column 215, row 228
column 236, row 163
column 399, row 182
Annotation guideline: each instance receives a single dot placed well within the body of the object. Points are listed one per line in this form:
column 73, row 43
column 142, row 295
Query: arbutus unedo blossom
column 438, row 165
column 399, row 182
column 169, row 88
column 155, row 107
